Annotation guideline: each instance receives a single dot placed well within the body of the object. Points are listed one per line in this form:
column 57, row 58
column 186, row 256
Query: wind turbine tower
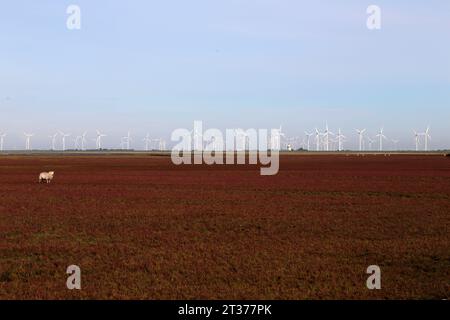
column 416, row 138
column 127, row 140
column 83, row 140
column 64, row 136
column 326, row 135
column 361, row 137
column 147, row 140
column 381, row 136
column 53, row 140
column 28, row 140
column 340, row 138
column 99, row 139
column 77, row 141
column 427, row 136
column 318, row 134
column 308, row 136
column 2, row 138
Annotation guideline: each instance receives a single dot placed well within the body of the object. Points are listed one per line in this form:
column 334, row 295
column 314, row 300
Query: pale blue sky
column 153, row 66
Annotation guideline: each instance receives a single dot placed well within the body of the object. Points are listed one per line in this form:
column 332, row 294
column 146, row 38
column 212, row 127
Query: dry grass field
column 141, row 228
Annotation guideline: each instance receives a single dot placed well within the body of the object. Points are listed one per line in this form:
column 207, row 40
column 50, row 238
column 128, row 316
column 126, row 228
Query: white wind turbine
column 427, row 136
column 340, row 138
column 122, row 143
column 83, row 140
column 147, row 140
column 64, row 136
column 326, row 135
column 99, row 139
column 53, row 140
column 77, row 141
column 361, row 137
column 381, row 136
column 127, row 140
column 162, row 144
column 28, row 140
column 281, row 135
column 417, row 139
column 318, row 134
column 2, row 138
column 275, row 139
column 308, row 136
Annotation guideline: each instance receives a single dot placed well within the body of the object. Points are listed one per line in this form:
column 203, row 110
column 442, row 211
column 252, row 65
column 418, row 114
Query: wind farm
column 321, row 142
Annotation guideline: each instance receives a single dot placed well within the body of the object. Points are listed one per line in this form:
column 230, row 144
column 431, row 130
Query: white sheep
column 46, row 176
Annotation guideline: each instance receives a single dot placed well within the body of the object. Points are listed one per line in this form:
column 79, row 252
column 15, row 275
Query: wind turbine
column 28, row 140
column 2, row 138
column 275, row 139
column 127, row 140
column 99, row 139
column 427, row 136
column 64, row 136
column 326, row 135
column 361, row 137
column 318, row 134
column 381, row 136
column 162, row 144
column 122, row 143
column 281, row 135
column 339, row 137
column 83, row 140
column 76, row 144
column 147, row 140
column 417, row 139
column 53, row 139
column 308, row 136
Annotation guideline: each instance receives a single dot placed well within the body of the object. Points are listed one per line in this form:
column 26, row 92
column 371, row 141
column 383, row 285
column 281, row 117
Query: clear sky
column 153, row 66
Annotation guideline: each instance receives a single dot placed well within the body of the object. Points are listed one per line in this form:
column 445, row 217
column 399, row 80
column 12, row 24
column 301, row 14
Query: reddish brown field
column 142, row 228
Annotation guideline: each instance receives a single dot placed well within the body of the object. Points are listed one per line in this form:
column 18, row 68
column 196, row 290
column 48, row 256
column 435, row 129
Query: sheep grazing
column 46, row 176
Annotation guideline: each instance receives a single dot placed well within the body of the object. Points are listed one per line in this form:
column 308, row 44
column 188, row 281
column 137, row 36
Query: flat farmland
column 140, row 227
